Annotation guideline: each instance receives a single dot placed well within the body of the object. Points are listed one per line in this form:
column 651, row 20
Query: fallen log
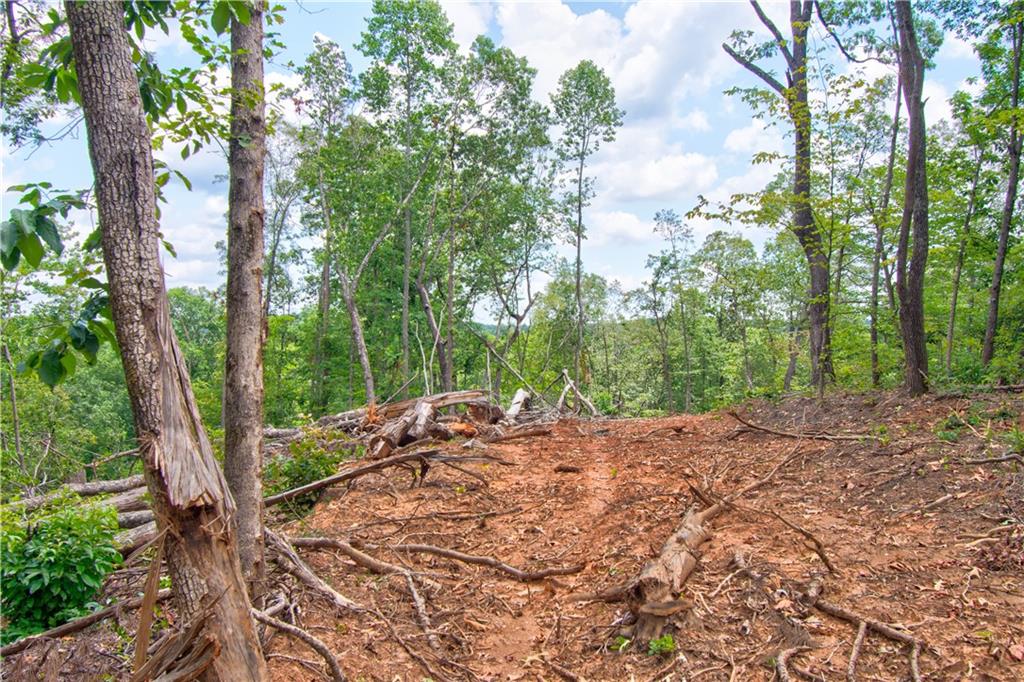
column 651, row 596
column 76, row 625
column 399, row 431
column 89, row 489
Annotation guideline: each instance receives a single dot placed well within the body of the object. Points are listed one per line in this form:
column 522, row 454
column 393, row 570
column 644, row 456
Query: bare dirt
column 922, row 541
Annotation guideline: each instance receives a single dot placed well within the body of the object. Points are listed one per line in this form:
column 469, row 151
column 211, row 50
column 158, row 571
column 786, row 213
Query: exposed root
column 332, row 663
column 810, row 435
column 518, row 574
column 783, row 658
column 858, row 642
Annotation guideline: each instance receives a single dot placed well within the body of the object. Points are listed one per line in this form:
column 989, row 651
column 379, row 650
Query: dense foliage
column 53, row 563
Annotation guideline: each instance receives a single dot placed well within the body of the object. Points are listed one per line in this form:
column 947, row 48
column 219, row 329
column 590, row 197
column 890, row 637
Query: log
column 396, row 432
column 89, row 489
column 424, row 414
column 520, row 401
column 134, row 519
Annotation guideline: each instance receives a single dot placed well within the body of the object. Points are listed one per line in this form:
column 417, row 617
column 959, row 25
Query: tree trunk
column 358, row 340
column 688, row 383
column 1014, row 151
column 578, row 359
column 958, row 268
column 435, row 332
column 190, row 496
column 876, row 261
column 912, row 258
column 318, row 398
column 243, row 363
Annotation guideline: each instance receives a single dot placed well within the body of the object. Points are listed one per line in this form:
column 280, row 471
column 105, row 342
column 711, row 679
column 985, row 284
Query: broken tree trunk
column 520, row 401
column 397, row 431
column 89, row 489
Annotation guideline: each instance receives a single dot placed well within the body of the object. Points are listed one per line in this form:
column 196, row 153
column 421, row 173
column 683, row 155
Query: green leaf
column 69, row 362
column 8, row 237
column 47, row 231
column 50, row 369
column 221, row 17
column 241, row 11
column 25, row 221
column 169, row 247
column 92, row 283
column 82, row 339
column 181, row 104
column 32, row 248
column 92, row 242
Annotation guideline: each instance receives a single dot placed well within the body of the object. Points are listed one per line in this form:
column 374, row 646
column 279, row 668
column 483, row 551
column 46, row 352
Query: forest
column 404, row 290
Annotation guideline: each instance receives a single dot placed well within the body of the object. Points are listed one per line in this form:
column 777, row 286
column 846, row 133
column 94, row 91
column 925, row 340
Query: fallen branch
column 290, row 562
column 858, row 642
column 77, row 625
column 518, row 574
column 298, row 633
column 819, row 547
column 804, row 436
column 783, row 658
column 1011, row 457
column 520, row 433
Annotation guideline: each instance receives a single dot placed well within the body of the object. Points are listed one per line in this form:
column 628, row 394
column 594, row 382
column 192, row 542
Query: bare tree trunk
column 958, row 268
column 190, row 496
column 319, row 394
column 910, row 280
column 358, row 340
column 1014, row 150
column 580, row 323
column 688, row 383
column 435, row 332
column 876, row 261
column 243, row 363
column 15, row 420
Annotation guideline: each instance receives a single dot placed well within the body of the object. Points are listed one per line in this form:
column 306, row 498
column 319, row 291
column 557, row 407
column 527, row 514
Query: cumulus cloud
column 755, row 137
column 617, row 227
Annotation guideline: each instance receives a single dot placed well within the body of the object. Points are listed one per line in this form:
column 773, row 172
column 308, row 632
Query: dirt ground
column 920, row 540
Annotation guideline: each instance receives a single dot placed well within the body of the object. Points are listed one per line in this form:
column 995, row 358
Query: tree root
column 858, row 642
column 783, row 658
column 332, row 663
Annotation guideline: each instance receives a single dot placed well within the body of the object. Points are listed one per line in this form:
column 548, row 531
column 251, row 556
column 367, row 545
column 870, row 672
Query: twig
column 993, row 460
column 564, row 672
column 819, row 547
column 290, row 562
column 806, row 436
column 851, row 668
column 408, row 649
column 521, row 433
column 518, row 574
column 879, row 627
column 421, row 614
column 298, row 633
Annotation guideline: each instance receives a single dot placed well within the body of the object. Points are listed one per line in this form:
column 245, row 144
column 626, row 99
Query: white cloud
column 193, row 223
column 955, row 47
column 754, row 137
column 696, row 120
column 617, row 227
column 470, row 19
column 937, row 105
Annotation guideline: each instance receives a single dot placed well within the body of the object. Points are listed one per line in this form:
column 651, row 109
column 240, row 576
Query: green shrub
column 53, row 564
column 307, row 462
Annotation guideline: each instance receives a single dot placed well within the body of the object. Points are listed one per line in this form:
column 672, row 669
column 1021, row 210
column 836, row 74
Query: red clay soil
column 923, row 542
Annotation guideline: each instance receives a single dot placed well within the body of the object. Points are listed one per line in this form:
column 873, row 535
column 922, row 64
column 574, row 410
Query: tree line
column 435, row 188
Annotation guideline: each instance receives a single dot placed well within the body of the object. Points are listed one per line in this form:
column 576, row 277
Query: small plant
column 662, row 646
column 948, row 436
column 1016, row 438
column 54, row 563
column 307, row 462
column 621, row 643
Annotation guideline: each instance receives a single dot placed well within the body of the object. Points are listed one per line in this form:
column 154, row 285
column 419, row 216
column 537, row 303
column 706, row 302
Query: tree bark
column 190, row 496
column 243, row 362
column 1014, row 151
column 958, row 268
column 911, row 258
column 580, row 322
column 879, row 219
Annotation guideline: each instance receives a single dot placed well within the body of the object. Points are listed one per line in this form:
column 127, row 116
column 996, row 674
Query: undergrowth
column 53, row 563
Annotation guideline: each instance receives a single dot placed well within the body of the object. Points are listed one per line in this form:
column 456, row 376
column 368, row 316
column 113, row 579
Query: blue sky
column 682, row 136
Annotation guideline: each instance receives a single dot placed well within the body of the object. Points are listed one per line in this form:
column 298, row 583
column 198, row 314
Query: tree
column 243, row 364
column 1001, row 59
column 585, row 108
column 190, row 497
column 911, row 258
column 668, row 223
column 409, row 41
column 794, row 96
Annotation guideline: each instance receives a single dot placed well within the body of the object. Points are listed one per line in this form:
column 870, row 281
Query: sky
column 682, row 136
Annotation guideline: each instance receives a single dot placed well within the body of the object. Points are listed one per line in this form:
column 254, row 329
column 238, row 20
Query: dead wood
column 567, row 469
column 664, row 576
column 884, row 629
column 810, row 435
column 520, row 401
column 518, row 574
column 819, row 547
column 858, row 642
column 1011, row 457
column 579, row 398
column 181, row 656
column 298, row 633
column 77, row 625
column 290, row 562
column 148, row 602
column 396, row 432
column 89, row 489
column 363, row 559
column 520, row 433
column 780, row 663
